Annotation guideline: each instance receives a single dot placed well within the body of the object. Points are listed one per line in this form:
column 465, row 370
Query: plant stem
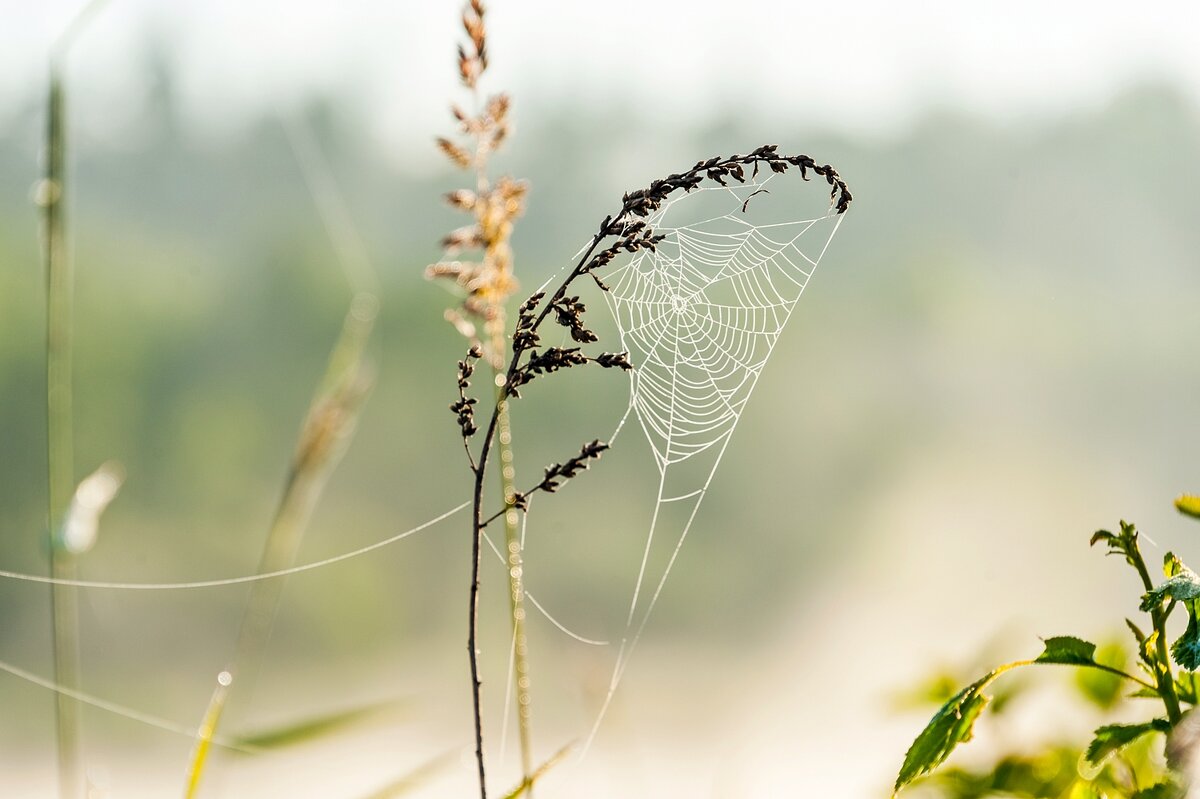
column 477, row 521
column 473, row 619
column 59, row 439
column 1123, row 674
column 60, row 459
column 1164, row 674
column 516, row 586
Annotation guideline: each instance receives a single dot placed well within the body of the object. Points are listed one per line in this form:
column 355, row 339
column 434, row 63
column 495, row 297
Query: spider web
column 700, row 317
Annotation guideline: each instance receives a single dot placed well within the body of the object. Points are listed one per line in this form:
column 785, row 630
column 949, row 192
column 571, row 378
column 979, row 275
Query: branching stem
column 473, row 621
column 1164, row 674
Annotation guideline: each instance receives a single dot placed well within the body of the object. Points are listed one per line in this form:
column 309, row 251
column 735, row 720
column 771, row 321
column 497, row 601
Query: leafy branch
column 954, row 722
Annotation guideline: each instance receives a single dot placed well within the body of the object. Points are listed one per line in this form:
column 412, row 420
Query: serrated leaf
column 1188, row 505
column 951, row 725
column 1068, row 651
column 1112, row 737
column 1183, row 587
column 1186, row 649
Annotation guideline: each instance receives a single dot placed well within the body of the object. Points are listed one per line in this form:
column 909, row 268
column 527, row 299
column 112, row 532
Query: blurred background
column 998, row 355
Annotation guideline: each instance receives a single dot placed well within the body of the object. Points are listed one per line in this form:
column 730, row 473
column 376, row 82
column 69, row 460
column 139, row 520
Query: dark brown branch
column 555, row 475
column 473, row 624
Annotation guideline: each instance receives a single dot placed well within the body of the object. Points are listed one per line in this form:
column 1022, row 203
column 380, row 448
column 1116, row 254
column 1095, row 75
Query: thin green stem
column 1119, row 673
column 60, row 458
column 516, row 585
column 59, row 439
column 1163, row 673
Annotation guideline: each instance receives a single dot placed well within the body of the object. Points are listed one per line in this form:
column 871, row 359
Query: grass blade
column 313, row 727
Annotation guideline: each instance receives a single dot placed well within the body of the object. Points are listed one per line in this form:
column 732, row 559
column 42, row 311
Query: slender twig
column 1122, row 674
column 473, row 594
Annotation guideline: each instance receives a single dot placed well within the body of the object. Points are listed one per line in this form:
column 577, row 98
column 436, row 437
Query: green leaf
column 1112, row 737
column 954, row 722
column 1188, row 505
column 1138, row 635
column 1186, row 649
column 1068, row 651
column 1183, row 586
column 951, row 725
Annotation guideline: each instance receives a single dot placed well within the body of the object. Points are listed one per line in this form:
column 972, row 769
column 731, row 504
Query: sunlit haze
column 862, row 67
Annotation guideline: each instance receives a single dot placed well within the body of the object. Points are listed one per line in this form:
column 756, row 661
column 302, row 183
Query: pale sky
column 863, row 67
